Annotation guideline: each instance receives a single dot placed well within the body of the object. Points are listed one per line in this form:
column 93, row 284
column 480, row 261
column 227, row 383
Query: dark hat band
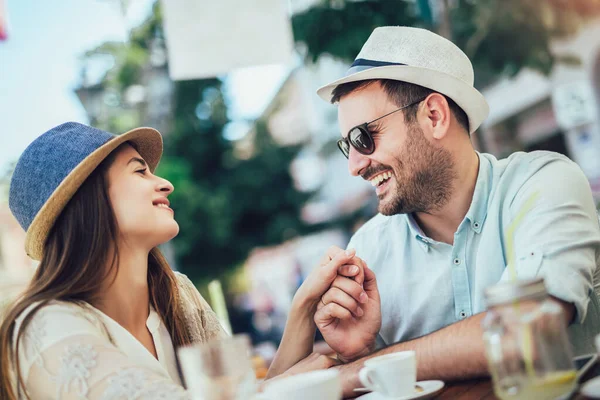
column 361, row 64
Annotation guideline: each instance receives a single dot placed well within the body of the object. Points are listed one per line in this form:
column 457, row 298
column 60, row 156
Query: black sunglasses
column 361, row 138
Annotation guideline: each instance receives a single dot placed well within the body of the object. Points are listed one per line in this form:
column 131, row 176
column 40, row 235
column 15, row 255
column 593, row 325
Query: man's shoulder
column 520, row 168
column 522, row 159
column 556, row 177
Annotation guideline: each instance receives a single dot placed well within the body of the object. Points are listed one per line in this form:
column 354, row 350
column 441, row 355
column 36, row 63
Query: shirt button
column 463, row 314
column 456, row 261
column 476, row 225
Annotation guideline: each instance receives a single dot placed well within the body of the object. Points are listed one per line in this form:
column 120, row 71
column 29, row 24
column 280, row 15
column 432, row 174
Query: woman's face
column 139, row 200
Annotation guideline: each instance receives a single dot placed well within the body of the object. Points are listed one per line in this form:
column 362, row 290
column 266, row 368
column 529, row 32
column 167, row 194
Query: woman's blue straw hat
column 56, row 164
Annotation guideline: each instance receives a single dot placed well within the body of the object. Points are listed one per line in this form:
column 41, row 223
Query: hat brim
column 147, row 141
column 466, row 96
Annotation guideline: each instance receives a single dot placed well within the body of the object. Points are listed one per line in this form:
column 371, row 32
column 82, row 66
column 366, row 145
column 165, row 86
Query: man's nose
column 357, row 162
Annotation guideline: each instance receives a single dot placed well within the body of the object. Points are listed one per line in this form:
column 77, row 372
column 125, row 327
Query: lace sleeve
column 65, row 355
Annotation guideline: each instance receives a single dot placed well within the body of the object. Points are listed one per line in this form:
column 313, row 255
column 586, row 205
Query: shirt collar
column 477, row 211
column 479, row 205
column 153, row 321
column 417, row 233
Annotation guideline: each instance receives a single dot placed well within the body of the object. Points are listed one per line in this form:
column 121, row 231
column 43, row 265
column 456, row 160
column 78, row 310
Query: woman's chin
column 166, row 233
column 174, row 231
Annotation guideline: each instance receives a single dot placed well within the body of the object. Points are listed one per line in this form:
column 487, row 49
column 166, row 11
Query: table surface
column 476, row 389
column 481, row 389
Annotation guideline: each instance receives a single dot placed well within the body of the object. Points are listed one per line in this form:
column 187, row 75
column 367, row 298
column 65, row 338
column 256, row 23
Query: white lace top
column 74, row 351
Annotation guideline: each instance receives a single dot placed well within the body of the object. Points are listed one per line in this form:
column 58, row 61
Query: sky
column 40, row 66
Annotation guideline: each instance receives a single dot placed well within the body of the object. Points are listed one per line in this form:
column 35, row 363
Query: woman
column 104, row 311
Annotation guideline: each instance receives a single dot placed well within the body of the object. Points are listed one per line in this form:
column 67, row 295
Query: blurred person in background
column 406, row 109
column 104, row 312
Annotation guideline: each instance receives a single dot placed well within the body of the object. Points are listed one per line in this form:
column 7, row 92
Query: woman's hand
column 336, row 262
column 313, row 362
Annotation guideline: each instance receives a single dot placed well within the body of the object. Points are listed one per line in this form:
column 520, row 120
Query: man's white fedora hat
column 421, row 57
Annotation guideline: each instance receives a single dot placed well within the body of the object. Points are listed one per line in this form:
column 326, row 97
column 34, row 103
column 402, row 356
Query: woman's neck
column 126, row 299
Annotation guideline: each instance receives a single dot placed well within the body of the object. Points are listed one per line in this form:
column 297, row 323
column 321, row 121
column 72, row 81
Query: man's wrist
column 349, row 378
column 344, row 360
column 354, row 357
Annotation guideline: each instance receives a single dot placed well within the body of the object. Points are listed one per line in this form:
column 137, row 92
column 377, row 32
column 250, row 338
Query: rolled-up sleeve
column 559, row 238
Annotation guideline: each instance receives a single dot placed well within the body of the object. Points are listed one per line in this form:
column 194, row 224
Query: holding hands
column 339, row 297
column 342, row 293
column 349, row 313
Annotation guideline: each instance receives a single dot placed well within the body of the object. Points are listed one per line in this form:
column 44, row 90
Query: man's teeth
column 163, row 205
column 380, row 178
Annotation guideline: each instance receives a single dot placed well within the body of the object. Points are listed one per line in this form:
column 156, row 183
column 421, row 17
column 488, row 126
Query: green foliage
column 504, row 36
column 225, row 206
column 131, row 66
column 340, row 28
column 500, row 36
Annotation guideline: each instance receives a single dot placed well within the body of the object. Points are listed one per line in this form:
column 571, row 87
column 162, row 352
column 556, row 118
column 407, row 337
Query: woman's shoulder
column 183, row 280
column 54, row 320
column 200, row 318
column 189, row 293
column 43, row 325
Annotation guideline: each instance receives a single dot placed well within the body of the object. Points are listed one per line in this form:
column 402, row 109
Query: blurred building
column 557, row 113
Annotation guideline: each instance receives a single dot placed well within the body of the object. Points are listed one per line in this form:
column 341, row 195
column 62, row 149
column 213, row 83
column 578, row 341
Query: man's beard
column 423, row 177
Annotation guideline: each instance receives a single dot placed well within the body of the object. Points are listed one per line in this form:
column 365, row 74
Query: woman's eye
column 141, row 171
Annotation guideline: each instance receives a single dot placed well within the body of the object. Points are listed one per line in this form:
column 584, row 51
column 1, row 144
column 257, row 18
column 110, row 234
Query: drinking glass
column 219, row 369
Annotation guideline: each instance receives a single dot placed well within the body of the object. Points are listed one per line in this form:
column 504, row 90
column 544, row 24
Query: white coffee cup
column 322, row 385
column 393, row 374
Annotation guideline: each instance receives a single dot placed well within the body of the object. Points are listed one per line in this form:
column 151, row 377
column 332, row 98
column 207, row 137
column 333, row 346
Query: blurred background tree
column 225, row 205
column 227, row 201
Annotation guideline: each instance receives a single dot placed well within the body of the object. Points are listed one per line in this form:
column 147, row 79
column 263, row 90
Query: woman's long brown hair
column 82, row 242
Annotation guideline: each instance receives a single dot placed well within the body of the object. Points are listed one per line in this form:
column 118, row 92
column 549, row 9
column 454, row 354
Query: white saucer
column 430, row 388
column 591, row 388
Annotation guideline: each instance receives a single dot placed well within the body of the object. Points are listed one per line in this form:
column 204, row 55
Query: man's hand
column 350, row 319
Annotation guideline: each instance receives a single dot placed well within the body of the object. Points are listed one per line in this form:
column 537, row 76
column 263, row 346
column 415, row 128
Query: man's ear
column 437, row 115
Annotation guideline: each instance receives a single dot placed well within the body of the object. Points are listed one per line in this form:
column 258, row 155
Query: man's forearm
column 454, row 352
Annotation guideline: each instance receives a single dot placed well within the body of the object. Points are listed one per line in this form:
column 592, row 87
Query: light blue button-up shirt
column 426, row 285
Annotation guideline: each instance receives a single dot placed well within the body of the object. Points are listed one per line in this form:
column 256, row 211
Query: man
column 406, row 110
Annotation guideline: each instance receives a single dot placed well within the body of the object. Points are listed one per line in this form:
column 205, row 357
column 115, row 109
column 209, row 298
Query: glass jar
column 526, row 342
